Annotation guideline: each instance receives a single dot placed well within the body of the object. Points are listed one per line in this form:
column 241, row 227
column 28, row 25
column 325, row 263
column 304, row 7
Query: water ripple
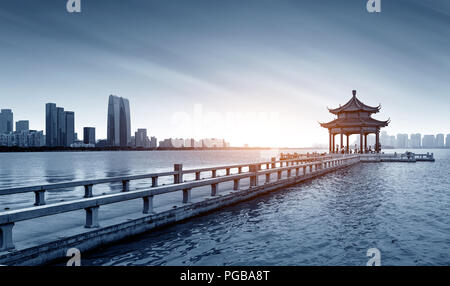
column 402, row 209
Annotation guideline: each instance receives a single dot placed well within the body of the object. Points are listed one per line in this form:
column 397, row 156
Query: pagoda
column 354, row 117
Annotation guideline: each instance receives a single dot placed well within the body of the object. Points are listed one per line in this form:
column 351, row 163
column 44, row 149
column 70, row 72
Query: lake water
column 400, row 208
column 25, row 169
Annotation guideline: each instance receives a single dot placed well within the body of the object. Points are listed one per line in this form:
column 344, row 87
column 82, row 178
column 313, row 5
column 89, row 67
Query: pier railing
column 91, row 203
column 177, row 173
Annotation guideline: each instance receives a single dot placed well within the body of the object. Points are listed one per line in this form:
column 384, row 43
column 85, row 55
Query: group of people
column 289, row 156
column 358, row 150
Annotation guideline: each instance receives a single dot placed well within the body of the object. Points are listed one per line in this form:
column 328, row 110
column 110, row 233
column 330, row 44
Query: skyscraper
column 142, row 138
column 59, row 126
column 153, row 142
column 89, row 135
column 402, row 141
column 51, row 123
column 69, row 136
column 447, row 141
column 22, row 125
column 119, row 123
column 440, row 140
column 6, row 121
column 429, row 141
column 416, row 140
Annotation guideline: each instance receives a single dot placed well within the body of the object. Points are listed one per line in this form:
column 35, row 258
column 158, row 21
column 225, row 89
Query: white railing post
column 148, row 204
column 236, row 185
column 186, row 196
column 39, row 198
column 125, row 185
column 273, row 159
column 154, row 182
column 214, row 189
column 88, row 191
column 178, row 177
column 253, row 178
column 6, row 236
column 92, row 217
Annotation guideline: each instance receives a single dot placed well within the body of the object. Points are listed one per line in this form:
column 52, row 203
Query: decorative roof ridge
column 359, row 104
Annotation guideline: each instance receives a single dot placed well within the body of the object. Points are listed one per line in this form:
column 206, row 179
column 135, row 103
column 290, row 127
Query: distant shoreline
column 4, row 149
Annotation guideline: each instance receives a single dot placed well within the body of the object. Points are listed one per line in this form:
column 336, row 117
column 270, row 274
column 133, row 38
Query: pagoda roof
column 355, row 122
column 354, row 104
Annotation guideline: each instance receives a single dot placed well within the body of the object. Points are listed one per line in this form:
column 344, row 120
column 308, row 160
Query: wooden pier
column 46, row 231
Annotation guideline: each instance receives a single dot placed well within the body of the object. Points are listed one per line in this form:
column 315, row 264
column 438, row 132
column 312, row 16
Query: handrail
column 61, row 207
column 80, row 183
column 55, row 208
column 92, row 204
column 18, row 190
column 206, row 169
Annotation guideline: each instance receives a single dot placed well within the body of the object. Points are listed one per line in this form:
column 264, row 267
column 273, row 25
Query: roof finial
column 354, row 92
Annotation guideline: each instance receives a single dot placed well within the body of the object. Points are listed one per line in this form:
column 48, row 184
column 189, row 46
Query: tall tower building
column 61, row 126
column 119, row 123
column 89, row 135
column 429, row 141
column 6, row 121
column 440, row 140
column 51, row 124
column 402, row 141
column 22, row 125
column 69, row 136
column 416, row 140
column 153, row 142
column 141, row 138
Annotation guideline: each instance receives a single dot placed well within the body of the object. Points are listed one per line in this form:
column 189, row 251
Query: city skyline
column 60, row 127
column 257, row 62
column 66, row 119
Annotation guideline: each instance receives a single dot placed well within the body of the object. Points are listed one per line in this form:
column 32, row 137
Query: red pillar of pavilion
column 348, row 144
column 361, row 142
column 365, row 142
column 377, row 141
column 330, row 143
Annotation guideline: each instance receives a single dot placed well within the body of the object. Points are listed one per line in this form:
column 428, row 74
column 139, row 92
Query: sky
column 257, row 72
